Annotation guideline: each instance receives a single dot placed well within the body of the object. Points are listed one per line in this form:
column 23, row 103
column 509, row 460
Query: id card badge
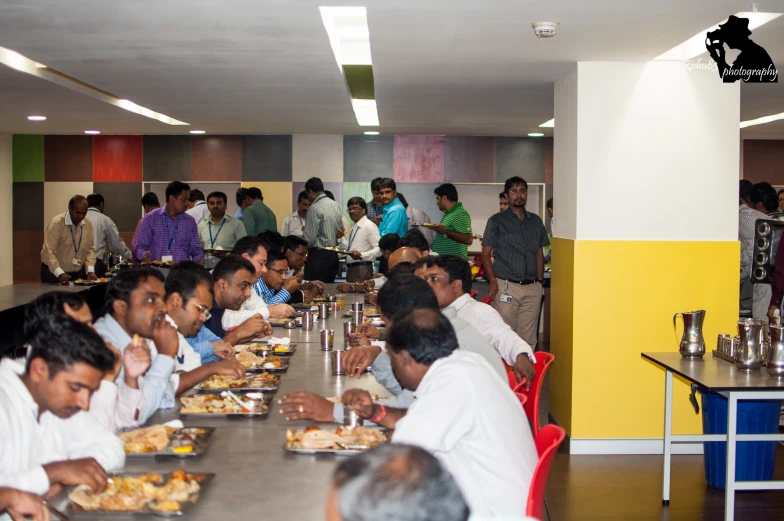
column 505, row 298
column 76, row 262
column 167, row 258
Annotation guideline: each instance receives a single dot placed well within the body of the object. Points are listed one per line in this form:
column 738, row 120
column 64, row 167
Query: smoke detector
column 545, row 29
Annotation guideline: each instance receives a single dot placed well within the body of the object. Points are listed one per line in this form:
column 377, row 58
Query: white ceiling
column 465, row 67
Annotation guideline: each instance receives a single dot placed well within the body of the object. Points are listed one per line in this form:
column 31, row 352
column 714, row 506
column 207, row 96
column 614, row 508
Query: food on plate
column 316, row 438
column 214, row 404
column 278, row 348
column 250, row 381
column 126, row 494
column 248, row 360
column 149, row 439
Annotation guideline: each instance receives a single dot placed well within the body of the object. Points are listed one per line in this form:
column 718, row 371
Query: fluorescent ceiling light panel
column 366, row 112
column 371, row 133
column 535, row 134
column 762, row 120
column 695, row 45
column 198, row 131
column 23, row 64
column 36, row 118
column 348, row 33
column 548, row 124
column 92, row 131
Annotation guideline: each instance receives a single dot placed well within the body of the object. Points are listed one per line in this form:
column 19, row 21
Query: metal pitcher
column 774, row 359
column 692, row 344
column 749, row 353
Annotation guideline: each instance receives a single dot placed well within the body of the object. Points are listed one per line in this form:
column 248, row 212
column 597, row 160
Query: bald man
column 404, row 254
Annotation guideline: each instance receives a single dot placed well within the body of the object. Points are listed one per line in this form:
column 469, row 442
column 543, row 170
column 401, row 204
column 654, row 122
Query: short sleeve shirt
column 457, row 220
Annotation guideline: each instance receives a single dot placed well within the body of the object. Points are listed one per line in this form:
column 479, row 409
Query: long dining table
column 255, row 477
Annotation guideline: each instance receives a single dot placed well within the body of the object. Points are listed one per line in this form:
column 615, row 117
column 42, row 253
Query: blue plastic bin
column 754, row 460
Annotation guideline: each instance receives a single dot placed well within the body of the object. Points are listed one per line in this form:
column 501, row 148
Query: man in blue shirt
column 394, row 219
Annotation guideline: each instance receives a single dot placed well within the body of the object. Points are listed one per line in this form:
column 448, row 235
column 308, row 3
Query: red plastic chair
column 523, row 398
column 487, row 300
column 543, row 361
column 547, row 442
column 473, row 293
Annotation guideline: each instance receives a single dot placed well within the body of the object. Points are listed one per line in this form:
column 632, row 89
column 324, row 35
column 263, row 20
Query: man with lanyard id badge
column 68, row 252
column 220, row 231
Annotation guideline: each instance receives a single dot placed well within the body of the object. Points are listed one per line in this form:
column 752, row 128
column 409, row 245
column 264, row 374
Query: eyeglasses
column 388, row 191
column 279, row 272
column 204, row 311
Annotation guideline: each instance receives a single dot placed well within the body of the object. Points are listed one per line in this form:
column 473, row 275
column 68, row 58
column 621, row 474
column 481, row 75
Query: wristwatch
column 351, row 288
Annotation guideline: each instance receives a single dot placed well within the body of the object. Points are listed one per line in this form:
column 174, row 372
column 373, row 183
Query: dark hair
column 375, row 184
column 502, row 195
column 126, row 282
column 185, row 277
column 231, row 264
column 357, row 200
column 254, row 193
column 314, row 184
column 240, row 196
column 49, row 304
column 397, row 482
column 404, row 291
column 401, row 268
column 329, row 194
column 150, row 199
column 292, row 242
column 62, row 342
column 780, row 192
column 75, row 199
column 175, row 188
column 765, row 193
column 744, row 189
column 447, row 190
column 426, row 334
column 414, row 239
column 402, row 200
column 389, row 242
column 550, row 203
column 273, row 239
column 388, row 182
column 275, row 256
column 302, row 195
column 248, row 244
column 422, row 261
column 94, row 200
column 513, row 181
column 456, row 267
column 196, row 195
column 218, row 194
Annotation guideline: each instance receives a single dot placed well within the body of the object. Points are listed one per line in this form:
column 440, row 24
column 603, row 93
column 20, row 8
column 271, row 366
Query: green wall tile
column 28, row 158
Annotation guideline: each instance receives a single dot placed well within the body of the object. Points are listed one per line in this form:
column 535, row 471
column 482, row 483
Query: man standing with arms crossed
column 516, row 239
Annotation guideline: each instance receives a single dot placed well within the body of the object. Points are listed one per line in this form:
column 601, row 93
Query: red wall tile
column 27, row 256
column 117, row 159
column 419, row 159
column 217, row 158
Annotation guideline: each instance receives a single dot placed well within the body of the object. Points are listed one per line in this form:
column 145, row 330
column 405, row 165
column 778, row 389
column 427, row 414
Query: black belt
column 521, row 282
column 357, row 264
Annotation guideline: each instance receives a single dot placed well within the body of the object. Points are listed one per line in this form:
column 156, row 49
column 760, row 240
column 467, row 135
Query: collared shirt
column 515, row 244
column 199, row 212
column 117, row 406
column 747, row 217
column 492, row 327
column 258, row 218
column 187, row 358
column 456, row 220
column 270, row 296
column 473, row 423
column 415, row 215
column 221, row 236
column 63, row 243
column 215, row 324
column 394, row 219
column 363, row 237
column 239, row 213
column 255, row 305
column 202, row 345
column 160, row 383
column 324, row 220
column 106, row 235
column 29, row 442
column 374, row 210
column 292, row 225
column 161, row 235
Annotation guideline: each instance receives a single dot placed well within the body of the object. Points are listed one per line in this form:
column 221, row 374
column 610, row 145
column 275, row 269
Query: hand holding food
column 369, row 330
column 23, row 505
column 136, row 359
column 165, row 337
column 223, row 350
column 281, row 311
column 231, row 367
column 307, row 406
column 92, row 276
column 84, row 471
column 360, row 402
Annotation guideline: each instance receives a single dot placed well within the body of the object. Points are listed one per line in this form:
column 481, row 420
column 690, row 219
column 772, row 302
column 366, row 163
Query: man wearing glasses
column 516, row 238
column 394, row 219
column 376, row 207
column 276, row 287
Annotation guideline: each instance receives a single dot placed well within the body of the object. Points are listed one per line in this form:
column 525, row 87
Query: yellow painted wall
column 561, row 320
column 624, row 296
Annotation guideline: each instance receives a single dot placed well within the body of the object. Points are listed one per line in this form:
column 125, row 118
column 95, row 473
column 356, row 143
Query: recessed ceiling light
column 198, row 131
column 371, row 133
column 535, row 134
column 548, row 124
column 92, row 131
column 36, row 118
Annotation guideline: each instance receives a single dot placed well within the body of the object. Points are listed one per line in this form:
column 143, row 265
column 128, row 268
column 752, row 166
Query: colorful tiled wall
column 48, row 170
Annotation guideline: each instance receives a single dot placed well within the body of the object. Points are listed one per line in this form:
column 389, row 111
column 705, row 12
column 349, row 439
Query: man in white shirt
column 747, row 217
column 49, row 439
column 463, row 413
column 134, row 306
column 106, row 236
column 294, row 224
column 361, row 241
column 415, row 215
column 198, row 206
column 450, row 278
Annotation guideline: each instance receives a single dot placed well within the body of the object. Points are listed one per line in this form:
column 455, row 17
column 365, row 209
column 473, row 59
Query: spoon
column 245, row 407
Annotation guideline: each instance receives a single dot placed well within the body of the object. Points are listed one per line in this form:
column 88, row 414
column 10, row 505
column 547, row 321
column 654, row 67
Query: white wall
column 6, row 209
column 657, row 153
column 565, row 157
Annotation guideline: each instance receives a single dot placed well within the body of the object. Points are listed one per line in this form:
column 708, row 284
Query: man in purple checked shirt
column 168, row 233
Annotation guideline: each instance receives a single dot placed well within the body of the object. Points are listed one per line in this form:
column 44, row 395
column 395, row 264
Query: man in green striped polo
column 454, row 234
